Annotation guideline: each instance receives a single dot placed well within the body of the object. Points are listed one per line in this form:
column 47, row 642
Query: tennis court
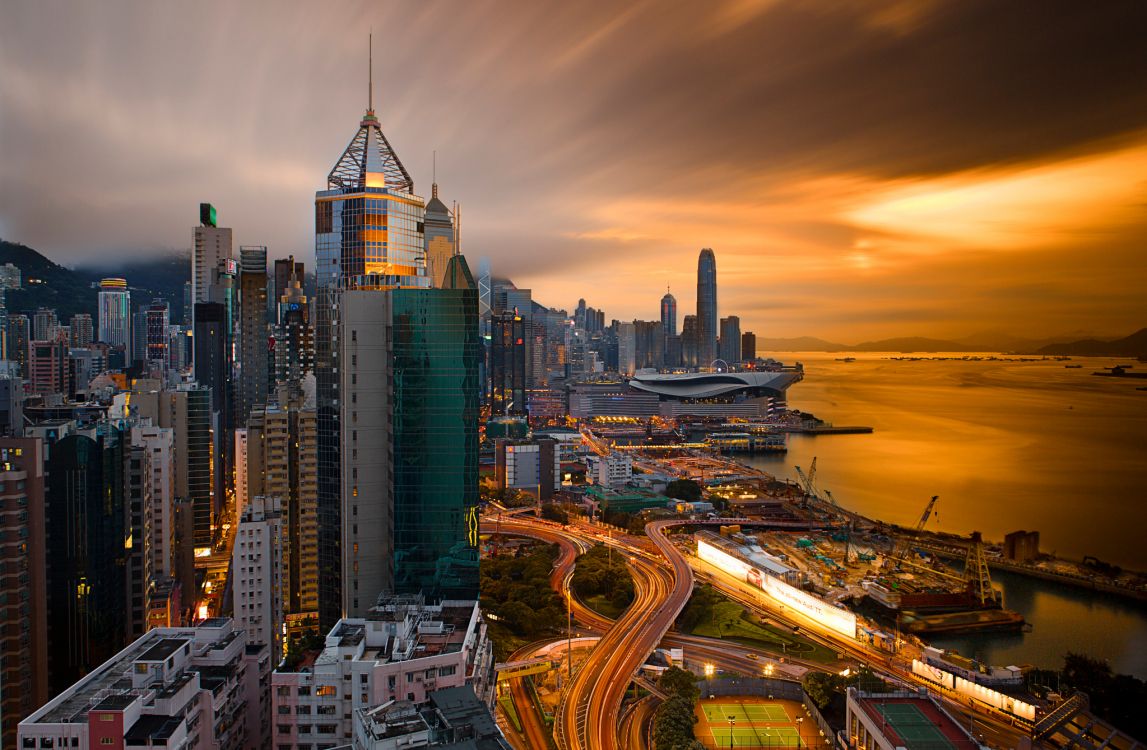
column 755, row 737
column 916, row 729
column 745, row 713
column 756, row 723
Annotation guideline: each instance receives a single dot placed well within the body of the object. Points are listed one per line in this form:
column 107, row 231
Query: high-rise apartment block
column 45, row 324
column 293, row 341
column 257, row 573
column 23, row 581
column 81, row 330
column 253, row 334
column 212, row 259
column 282, row 463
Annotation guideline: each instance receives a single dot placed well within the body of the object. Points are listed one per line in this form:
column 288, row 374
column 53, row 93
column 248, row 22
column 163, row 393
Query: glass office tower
column 436, row 354
column 368, row 235
column 706, row 308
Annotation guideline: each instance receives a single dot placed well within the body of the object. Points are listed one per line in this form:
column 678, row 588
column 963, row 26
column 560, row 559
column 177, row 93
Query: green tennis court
column 745, row 713
column 913, row 726
column 754, row 736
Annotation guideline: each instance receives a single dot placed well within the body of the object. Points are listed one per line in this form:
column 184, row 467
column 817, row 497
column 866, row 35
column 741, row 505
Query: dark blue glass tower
column 706, row 308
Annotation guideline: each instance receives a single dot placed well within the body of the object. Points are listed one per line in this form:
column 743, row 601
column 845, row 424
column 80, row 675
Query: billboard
column 839, row 620
column 982, row 693
column 207, row 215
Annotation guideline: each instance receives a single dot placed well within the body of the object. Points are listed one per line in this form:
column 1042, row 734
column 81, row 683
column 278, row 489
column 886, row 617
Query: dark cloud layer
column 596, row 146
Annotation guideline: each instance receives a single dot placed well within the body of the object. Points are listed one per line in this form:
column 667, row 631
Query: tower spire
column 434, row 176
column 370, row 73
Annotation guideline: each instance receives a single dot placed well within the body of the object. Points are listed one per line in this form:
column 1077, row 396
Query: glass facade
column 114, row 312
column 436, row 354
column 366, row 237
column 706, row 308
column 86, row 522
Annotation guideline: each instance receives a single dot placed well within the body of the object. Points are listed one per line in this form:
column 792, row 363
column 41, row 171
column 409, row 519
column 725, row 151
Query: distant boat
column 1073, row 367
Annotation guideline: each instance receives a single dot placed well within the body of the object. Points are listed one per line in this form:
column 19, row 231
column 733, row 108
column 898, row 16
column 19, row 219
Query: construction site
column 881, row 572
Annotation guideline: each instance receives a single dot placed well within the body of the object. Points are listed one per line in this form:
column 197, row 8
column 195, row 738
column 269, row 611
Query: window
column 283, row 690
column 284, row 709
column 302, row 709
column 283, row 728
column 326, row 690
column 307, row 691
column 446, row 671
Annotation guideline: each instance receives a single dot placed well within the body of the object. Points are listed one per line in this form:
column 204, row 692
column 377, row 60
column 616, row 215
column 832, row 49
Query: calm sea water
column 1006, row 446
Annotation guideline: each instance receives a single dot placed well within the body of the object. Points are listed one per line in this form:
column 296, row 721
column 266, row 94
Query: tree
column 551, row 512
column 684, row 489
column 682, row 682
column 820, row 687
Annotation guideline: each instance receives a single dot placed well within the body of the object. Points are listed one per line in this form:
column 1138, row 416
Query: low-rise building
column 532, row 465
column 614, row 470
column 178, row 688
column 403, row 650
column 902, row 720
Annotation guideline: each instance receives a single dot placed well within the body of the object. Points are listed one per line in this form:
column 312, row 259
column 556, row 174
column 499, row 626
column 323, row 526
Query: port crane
column 903, row 548
column 808, row 483
column 976, row 575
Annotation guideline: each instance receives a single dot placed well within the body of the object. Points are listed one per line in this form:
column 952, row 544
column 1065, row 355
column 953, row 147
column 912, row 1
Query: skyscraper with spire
column 441, row 237
column 391, row 517
column 706, row 308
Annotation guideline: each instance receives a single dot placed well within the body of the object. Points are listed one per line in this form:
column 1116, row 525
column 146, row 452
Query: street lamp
column 709, row 669
column 800, row 721
column 732, row 723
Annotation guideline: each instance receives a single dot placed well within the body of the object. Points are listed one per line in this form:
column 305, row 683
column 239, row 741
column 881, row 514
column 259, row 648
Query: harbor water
column 1007, row 445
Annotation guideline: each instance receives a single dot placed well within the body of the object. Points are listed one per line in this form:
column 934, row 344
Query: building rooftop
column 913, row 721
column 150, row 727
column 163, row 649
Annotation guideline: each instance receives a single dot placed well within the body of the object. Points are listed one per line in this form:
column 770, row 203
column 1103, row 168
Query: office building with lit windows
column 706, row 308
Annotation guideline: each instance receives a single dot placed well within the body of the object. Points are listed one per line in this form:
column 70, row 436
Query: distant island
column 1132, row 346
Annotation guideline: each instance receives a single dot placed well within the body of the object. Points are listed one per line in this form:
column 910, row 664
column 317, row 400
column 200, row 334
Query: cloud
column 849, row 162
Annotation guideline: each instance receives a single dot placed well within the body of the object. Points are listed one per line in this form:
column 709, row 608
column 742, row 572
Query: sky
column 862, row 169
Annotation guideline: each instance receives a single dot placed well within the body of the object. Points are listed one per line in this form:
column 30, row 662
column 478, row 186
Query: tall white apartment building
column 257, row 573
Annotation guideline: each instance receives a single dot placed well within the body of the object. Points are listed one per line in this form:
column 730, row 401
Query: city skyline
column 854, row 196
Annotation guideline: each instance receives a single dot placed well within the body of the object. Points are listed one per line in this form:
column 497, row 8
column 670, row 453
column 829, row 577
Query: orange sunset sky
column 862, row 169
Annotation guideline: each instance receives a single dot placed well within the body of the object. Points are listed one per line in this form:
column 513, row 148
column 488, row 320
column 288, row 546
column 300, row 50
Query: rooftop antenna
column 434, row 176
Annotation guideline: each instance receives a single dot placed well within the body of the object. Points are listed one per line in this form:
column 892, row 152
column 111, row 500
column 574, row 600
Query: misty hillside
column 70, row 291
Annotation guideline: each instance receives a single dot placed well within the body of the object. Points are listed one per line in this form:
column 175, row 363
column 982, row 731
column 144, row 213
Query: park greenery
column 516, row 593
column 675, row 717
column 602, row 580
column 821, row 687
column 709, row 613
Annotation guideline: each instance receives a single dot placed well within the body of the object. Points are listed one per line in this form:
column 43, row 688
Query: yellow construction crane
column 903, row 548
